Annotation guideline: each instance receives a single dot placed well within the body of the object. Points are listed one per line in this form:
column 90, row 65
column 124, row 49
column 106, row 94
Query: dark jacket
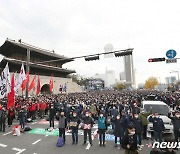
column 118, row 130
column 88, row 120
column 131, row 140
column 52, row 113
column 3, row 115
column 22, row 113
column 176, row 122
column 74, row 122
column 158, row 124
column 62, row 122
column 138, row 125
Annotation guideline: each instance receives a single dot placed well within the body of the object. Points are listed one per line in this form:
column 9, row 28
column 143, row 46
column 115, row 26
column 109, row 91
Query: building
column 109, row 78
column 16, row 53
column 129, row 71
column 170, row 80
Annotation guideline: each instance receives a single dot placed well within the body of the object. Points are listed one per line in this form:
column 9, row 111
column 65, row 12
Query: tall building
column 108, row 77
column 170, row 80
column 129, row 71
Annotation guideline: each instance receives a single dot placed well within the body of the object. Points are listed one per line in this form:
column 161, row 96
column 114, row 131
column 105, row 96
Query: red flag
column 38, row 86
column 32, row 85
column 51, row 84
column 11, row 95
column 23, row 86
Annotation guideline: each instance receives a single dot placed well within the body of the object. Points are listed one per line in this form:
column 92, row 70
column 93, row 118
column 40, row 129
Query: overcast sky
column 81, row 27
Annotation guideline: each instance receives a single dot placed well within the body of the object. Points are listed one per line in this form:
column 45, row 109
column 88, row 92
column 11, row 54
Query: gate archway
column 45, row 89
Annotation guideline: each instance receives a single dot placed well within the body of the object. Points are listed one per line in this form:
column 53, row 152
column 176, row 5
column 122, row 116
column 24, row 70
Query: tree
column 151, row 82
column 120, row 86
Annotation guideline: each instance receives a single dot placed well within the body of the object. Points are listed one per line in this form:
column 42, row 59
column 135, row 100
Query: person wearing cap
column 88, row 124
column 158, row 126
column 74, row 124
column 102, row 127
column 143, row 117
column 176, row 124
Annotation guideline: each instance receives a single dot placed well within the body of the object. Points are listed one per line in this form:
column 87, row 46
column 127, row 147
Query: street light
column 176, row 72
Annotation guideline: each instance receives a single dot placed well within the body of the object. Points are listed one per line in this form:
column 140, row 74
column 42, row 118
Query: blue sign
column 171, row 54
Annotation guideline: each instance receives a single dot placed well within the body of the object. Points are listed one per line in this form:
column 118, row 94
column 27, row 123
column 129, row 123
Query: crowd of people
column 121, row 110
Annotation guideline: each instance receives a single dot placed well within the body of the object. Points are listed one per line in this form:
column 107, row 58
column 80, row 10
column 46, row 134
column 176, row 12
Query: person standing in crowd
column 138, row 129
column 88, row 124
column 143, row 117
column 22, row 115
column 129, row 141
column 158, row 126
column 11, row 115
column 176, row 125
column 42, row 107
column 114, row 113
column 52, row 113
column 74, row 124
column 102, row 127
column 93, row 110
column 3, row 116
column 118, row 130
column 62, row 125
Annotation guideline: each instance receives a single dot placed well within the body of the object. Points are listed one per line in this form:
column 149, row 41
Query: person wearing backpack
column 102, row 127
column 62, row 125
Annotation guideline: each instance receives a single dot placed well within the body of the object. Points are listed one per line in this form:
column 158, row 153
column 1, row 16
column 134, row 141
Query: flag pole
column 27, row 70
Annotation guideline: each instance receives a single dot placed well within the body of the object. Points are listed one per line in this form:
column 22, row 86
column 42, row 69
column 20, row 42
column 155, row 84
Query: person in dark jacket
column 176, row 125
column 102, row 127
column 3, row 116
column 52, row 113
column 118, row 130
column 22, row 115
column 158, row 126
column 88, row 124
column 138, row 126
column 129, row 141
column 74, row 124
column 62, row 125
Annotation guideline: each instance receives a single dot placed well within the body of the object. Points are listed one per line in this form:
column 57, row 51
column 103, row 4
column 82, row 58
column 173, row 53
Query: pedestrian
column 62, row 125
column 118, row 130
column 52, row 113
column 176, row 125
column 22, row 115
column 143, row 117
column 138, row 129
column 129, row 141
column 11, row 115
column 102, row 127
column 3, row 116
column 158, row 126
column 88, row 124
column 74, row 124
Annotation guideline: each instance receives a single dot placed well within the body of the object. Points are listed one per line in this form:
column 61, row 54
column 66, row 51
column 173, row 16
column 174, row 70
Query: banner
column 38, row 87
column 11, row 95
column 51, row 84
column 25, row 82
column 33, row 83
column 5, row 84
column 21, row 78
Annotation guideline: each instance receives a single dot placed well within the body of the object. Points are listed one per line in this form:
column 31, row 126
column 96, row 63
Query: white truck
column 163, row 110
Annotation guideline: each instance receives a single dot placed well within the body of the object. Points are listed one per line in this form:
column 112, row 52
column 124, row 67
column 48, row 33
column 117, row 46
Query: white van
column 163, row 110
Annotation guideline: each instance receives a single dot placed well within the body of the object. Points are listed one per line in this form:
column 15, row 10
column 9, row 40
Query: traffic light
column 91, row 58
column 125, row 53
column 156, row 60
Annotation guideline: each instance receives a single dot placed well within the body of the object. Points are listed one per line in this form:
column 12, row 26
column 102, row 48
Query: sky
column 83, row 27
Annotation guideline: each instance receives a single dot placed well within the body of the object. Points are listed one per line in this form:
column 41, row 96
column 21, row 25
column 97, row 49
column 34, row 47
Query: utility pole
column 27, row 69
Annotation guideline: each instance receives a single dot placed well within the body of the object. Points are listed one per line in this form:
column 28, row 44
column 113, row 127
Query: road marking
column 36, row 141
column 46, row 135
column 19, row 150
column 93, row 137
column 33, row 123
column 6, row 133
column 3, row 145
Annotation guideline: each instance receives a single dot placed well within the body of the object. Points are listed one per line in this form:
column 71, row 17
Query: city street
column 45, row 144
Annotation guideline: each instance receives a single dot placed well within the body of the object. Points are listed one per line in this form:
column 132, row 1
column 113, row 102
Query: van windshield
column 161, row 109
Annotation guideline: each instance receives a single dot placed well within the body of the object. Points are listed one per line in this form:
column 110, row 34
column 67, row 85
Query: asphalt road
column 46, row 144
